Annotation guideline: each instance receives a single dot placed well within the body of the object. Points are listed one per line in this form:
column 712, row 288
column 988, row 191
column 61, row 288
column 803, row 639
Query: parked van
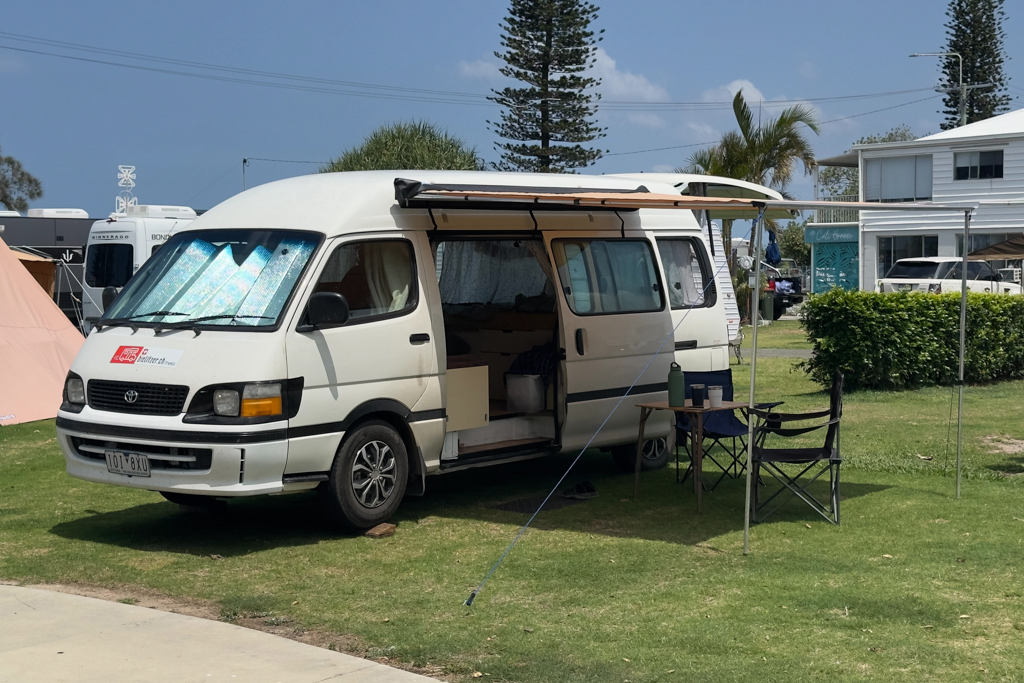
column 342, row 331
column 119, row 245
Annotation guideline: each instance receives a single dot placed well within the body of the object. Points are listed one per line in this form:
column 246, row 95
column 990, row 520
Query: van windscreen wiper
column 192, row 322
column 113, row 322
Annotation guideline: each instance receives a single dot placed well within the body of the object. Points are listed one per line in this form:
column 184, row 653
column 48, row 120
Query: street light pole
column 963, row 90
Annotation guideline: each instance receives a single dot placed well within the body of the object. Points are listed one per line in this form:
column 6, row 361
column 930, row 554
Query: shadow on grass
column 665, row 511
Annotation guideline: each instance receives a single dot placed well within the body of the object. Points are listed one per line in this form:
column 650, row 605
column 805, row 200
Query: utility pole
column 963, row 90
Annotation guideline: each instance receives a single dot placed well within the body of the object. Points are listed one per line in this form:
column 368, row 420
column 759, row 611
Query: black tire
column 190, row 499
column 369, row 476
column 656, row 454
column 778, row 311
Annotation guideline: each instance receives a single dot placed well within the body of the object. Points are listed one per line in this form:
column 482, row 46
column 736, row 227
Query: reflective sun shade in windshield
column 219, row 277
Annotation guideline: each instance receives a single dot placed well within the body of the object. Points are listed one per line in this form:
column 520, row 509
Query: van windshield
column 217, row 277
column 108, row 265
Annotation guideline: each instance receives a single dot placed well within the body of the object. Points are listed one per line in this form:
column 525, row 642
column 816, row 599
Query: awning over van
column 412, row 194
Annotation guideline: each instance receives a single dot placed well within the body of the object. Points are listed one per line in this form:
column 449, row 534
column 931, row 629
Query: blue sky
column 71, row 123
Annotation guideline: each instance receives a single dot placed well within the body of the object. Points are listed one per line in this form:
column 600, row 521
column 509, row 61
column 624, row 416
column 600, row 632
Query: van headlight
column 225, row 402
column 256, row 400
column 74, row 389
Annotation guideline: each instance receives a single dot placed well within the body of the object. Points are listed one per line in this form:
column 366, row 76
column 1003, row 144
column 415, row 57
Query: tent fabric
column 37, row 345
column 1009, row 250
column 44, row 270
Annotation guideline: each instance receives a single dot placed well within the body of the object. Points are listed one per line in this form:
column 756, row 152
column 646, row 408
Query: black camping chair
column 815, row 462
column 722, row 428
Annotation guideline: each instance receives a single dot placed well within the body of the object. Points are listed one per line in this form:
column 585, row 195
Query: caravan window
column 688, row 273
column 608, row 276
column 376, row 277
column 108, row 265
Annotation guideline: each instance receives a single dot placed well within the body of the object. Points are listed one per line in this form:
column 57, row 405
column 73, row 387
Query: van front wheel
column 656, row 454
column 368, row 478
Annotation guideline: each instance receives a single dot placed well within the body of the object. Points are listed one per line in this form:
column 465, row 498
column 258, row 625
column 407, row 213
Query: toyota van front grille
column 137, row 397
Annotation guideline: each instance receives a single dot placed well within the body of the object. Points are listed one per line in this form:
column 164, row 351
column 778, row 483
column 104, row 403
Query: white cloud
column 725, row 93
column 663, row 168
column 704, row 130
column 624, row 85
column 480, row 69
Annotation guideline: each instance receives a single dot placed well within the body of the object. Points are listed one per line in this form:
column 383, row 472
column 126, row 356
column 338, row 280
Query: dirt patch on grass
column 1004, row 445
column 269, row 622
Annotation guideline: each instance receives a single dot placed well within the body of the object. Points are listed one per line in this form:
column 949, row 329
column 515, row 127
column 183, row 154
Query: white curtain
column 388, row 274
column 685, row 283
column 490, row 272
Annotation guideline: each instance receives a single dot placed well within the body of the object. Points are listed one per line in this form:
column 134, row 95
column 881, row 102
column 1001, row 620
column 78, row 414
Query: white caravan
column 344, row 331
column 119, row 245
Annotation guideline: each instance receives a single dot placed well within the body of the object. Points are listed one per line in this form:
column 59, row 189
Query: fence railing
column 837, row 215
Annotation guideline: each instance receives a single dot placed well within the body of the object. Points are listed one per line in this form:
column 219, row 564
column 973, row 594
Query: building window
column 892, row 249
column 898, row 179
column 978, row 165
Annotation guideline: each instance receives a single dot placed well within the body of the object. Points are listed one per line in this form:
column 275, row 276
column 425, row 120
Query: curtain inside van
column 492, row 271
column 682, row 273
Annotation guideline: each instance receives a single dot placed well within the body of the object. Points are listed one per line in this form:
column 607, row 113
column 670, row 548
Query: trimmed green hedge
column 898, row 341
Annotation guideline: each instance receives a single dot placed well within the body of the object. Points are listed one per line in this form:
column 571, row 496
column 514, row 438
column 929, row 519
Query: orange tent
column 37, row 345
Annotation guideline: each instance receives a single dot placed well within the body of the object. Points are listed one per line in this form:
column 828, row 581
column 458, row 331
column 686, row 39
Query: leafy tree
column 763, row 153
column 975, row 31
column 792, row 245
column 17, row 186
column 411, row 145
column 548, row 45
column 837, row 181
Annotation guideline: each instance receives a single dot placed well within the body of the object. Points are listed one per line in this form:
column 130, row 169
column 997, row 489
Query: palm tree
column 766, row 154
column 416, row 144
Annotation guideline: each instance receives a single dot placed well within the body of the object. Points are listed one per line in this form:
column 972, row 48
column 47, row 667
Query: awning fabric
column 1010, row 250
column 412, row 194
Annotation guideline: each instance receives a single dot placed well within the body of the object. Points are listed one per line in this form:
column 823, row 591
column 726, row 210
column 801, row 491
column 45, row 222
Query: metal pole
column 963, row 341
column 245, row 162
column 755, row 291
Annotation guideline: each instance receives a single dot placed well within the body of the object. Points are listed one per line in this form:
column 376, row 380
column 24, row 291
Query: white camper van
column 355, row 332
column 119, row 245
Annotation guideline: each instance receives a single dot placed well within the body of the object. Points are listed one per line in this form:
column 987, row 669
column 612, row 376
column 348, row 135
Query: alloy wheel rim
column 654, row 448
column 373, row 474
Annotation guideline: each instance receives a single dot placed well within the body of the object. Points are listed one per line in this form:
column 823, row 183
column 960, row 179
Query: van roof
column 337, row 203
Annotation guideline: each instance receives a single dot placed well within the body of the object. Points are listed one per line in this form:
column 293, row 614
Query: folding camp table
column 698, row 436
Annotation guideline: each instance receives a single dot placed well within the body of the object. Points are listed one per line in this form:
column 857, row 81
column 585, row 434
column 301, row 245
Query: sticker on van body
column 143, row 355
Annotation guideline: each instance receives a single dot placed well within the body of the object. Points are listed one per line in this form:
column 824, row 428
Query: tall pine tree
column 975, row 30
column 548, row 46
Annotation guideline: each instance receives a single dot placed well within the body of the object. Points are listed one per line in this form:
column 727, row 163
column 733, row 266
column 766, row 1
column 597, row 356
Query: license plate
column 132, row 464
column 904, row 288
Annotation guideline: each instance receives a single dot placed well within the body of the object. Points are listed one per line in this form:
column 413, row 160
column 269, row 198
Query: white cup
column 715, row 396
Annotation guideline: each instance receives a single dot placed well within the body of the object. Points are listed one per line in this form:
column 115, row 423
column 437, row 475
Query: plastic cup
column 715, row 397
column 697, row 395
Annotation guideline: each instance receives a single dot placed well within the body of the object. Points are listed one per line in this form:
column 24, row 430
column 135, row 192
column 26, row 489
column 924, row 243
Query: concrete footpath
column 55, row 637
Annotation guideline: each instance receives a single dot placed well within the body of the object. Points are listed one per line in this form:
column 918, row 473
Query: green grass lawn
column 781, row 334
column 915, row 585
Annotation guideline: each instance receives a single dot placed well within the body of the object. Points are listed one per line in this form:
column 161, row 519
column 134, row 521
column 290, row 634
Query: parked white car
column 939, row 274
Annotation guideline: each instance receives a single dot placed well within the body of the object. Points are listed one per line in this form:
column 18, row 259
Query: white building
column 980, row 163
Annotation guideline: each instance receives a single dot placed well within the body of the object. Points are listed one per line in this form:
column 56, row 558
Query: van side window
column 688, row 273
column 377, row 277
column 608, row 276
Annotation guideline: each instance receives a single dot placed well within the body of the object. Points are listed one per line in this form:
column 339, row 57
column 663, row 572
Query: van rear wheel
column 656, row 454
column 368, row 479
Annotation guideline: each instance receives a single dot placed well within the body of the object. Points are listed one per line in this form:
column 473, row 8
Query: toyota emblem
column 131, row 396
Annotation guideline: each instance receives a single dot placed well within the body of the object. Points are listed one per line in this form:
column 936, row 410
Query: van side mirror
column 108, row 296
column 327, row 309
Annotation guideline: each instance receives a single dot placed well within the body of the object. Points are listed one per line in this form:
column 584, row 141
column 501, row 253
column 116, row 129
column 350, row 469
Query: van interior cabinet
column 468, row 397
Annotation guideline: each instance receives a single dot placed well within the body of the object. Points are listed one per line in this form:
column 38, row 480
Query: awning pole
column 755, row 307
column 963, row 341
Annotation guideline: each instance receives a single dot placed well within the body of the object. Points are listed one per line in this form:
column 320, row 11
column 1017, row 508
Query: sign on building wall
column 830, row 235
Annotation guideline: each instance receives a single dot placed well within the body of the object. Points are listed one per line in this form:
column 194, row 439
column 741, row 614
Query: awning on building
column 1010, row 250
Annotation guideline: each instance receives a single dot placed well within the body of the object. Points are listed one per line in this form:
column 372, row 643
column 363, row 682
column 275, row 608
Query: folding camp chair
column 721, row 428
column 814, row 462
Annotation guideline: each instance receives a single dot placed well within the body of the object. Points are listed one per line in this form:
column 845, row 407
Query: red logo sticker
column 126, row 354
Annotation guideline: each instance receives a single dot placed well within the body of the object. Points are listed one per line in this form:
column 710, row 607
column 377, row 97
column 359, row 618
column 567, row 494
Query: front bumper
column 215, row 461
